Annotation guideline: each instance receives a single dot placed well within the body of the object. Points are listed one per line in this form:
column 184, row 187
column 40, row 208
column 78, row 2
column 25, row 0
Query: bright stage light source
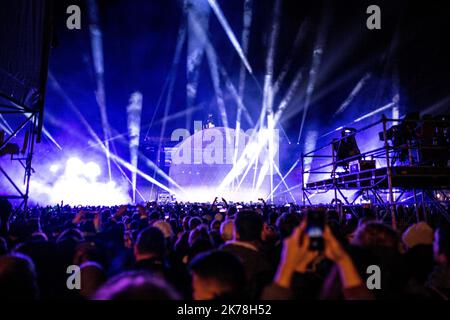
column 77, row 168
column 92, row 170
column 79, row 185
column 74, row 167
column 54, row 168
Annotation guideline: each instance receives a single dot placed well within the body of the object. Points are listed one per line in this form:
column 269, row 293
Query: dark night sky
column 139, row 39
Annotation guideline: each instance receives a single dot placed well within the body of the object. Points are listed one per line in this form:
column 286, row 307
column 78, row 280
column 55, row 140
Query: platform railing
column 386, row 153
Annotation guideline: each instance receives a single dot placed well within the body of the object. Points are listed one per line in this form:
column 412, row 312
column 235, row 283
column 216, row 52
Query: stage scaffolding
column 23, row 78
column 411, row 166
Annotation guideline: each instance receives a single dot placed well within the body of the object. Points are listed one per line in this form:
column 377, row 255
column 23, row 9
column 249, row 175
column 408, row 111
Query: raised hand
column 121, row 211
column 333, row 249
column 79, row 216
column 335, row 252
column 295, row 256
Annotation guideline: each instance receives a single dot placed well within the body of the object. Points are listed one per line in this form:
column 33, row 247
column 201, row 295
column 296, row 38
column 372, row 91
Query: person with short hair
column 149, row 251
column 376, row 234
column 18, row 279
column 217, row 275
column 246, row 245
column 286, row 223
column 136, row 285
column 194, row 222
column 150, row 256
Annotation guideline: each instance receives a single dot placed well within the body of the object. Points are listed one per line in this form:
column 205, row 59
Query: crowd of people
column 221, row 251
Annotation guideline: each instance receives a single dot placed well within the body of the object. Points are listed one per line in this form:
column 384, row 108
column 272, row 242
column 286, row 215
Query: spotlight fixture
column 346, row 149
column 12, row 148
column 401, row 134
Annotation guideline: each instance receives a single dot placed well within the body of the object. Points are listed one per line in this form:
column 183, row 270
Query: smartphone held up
column 315, row 224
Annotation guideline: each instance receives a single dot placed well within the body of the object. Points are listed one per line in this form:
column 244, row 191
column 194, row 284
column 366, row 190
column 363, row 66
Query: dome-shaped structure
column 201, row 162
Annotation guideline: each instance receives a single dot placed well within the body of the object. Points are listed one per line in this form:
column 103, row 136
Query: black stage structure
column 418, row 165
column 26, row 32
